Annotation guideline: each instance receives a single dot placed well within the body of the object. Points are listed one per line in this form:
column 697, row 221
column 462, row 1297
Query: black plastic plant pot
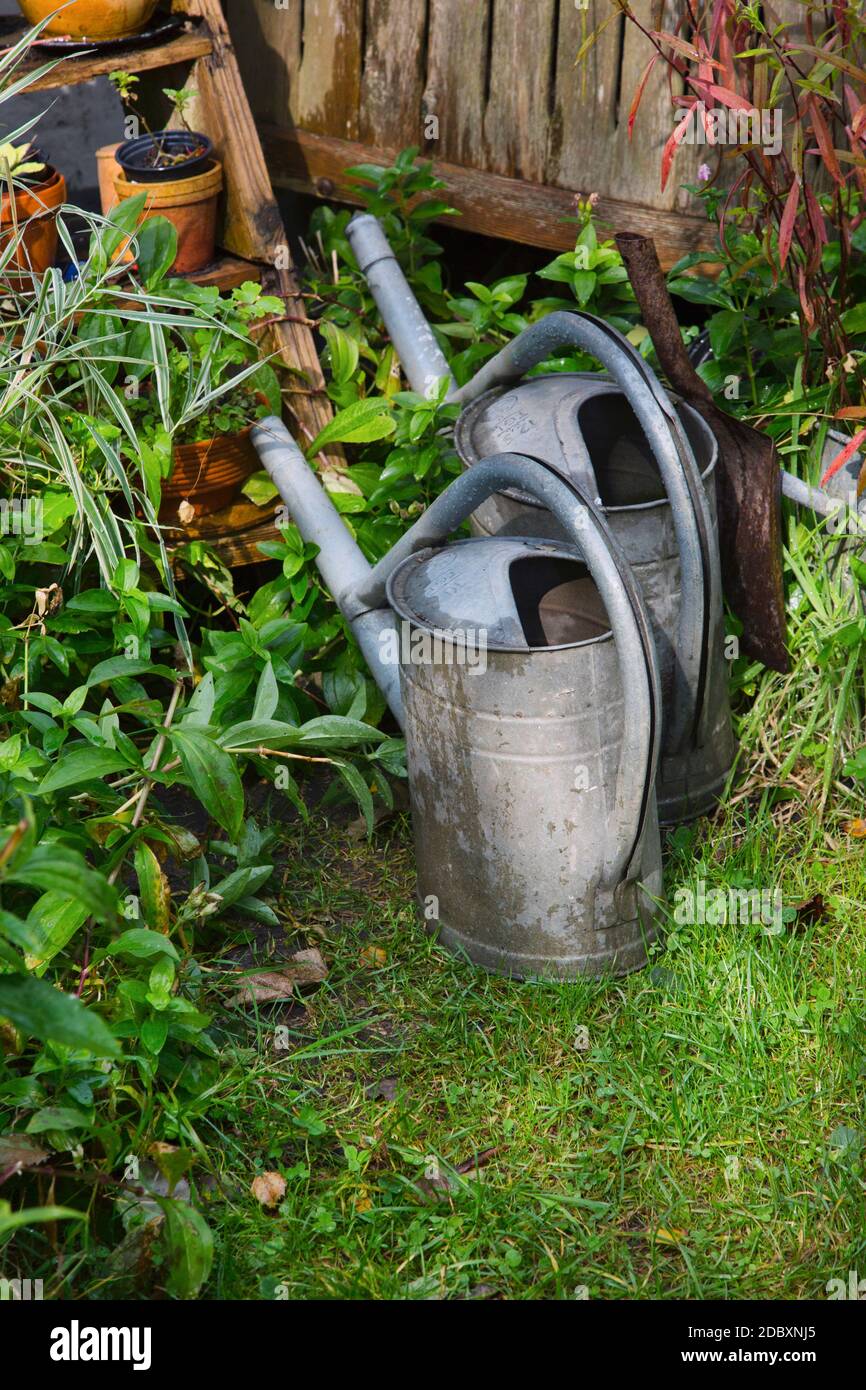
column 165, row 155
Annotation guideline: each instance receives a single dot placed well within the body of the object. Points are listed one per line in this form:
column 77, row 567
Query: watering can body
column 553, row 417
column 531, row 763
column 513, row 770
column 646, row 463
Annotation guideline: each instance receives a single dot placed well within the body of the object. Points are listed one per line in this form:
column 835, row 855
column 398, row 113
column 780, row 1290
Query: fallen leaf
column 302, row 970
column 437, row 1180
column 813, row 910
column 383, row 1089
column 374, row 956
column 670, row 1237
column 269, row 1189
column 855, row 828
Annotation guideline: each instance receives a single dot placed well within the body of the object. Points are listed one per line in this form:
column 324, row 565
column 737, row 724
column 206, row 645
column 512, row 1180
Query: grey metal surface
column 414, row 343
column 532, row 783
column 565, row 417
column 532, row 786
column 340, row 561
column 682, row 584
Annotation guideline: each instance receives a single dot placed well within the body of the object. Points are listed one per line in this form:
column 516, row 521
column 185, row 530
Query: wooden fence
column 490, row 90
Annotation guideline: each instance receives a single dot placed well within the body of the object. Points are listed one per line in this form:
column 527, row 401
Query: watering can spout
column 420, row 356
column 340, row 561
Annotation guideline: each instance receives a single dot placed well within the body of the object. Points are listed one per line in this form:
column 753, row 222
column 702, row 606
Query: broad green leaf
column 153, row 888
column 65, row 872
column 54, row 919
column 157, row 249
column 360, row 791
column 43, row 1012
column 213, row 776
column 267, row 694
column 81, row 765
column 360, row 423
column 335, row 731
column 190, row 1247
column 139, row 943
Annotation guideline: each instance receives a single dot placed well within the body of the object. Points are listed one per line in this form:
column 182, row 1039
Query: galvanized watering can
column 524, row 674
column 644, row 460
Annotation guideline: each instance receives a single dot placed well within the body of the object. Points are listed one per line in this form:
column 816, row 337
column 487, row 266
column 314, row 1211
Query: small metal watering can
column 645, row 461
column 524, row 674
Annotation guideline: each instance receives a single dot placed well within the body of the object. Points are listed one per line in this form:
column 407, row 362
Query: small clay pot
column 91, row 19
column 191, row 205
column 186, row 152
column 36, row 214
column 208, row 475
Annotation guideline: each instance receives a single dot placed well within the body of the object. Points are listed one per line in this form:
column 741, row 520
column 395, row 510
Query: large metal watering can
column 646, row 461
column 524, row 674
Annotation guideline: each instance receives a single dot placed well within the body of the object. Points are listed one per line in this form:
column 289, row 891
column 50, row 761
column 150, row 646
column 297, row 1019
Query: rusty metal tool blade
column 749, row 479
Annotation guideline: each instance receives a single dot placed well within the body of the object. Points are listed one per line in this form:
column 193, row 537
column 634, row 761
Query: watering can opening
column 506, row 594
column 572, row 419
column 622, row 460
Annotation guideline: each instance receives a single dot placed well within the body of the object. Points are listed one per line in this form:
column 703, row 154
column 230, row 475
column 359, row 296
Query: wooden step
column 226, row 272
column 194, row 42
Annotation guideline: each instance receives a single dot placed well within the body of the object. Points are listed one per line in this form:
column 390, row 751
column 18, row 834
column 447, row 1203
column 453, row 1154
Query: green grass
column 702, row 1138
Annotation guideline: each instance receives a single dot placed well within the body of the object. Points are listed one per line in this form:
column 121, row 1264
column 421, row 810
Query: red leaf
column 786, row 226
column 686, row 49
column 816, row 217
column 723, row 94
column 636, row 100
column 841, row 459
column 825, row 144
column 808, row 311
column 670, row 148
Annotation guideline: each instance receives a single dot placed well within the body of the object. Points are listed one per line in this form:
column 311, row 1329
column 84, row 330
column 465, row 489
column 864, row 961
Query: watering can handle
column 586, row 528
column 700, row 575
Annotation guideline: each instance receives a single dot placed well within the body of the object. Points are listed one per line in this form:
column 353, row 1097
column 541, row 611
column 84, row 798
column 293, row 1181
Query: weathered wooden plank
column 495, row 206
column 393, row 78
column 585, row 103
column 520, row 88
column 328, row 94
column 268, row 45
column 456, row 70
column 591, row 149
column 253, row 226
column 184, row 49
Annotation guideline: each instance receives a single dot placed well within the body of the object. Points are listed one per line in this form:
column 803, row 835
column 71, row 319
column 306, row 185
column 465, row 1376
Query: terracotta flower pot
column 108, row 172
column 36, row 214
column 191, row 204
column 208, row 475
column 91, row 19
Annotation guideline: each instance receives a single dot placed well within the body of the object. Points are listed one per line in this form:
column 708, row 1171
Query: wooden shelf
column 185, row 48
column 226, row 272
column 235, row 532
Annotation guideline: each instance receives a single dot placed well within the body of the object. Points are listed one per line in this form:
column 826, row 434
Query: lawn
column 692, row 1131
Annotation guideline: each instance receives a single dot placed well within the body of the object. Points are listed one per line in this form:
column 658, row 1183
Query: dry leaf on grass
column 300, row 971
column 373, row 957
column 813, row 910
column 855, row 828
column 383, row 1089
column 269, row 1189
column 673, row 1236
